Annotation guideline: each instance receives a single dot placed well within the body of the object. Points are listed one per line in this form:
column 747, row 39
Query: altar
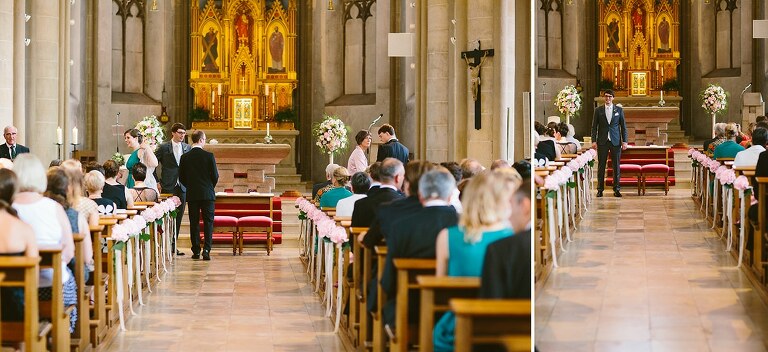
column 647, row 122
column 244, row 167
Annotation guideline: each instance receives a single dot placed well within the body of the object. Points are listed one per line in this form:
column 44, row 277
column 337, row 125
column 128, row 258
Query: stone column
column 436, row 88
column 8, row 30
column 18, row 59
column 47, row 89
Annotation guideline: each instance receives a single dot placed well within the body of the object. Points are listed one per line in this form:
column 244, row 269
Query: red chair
column 657, row 170
column 254, row 225
column 632, row 170
column 224, row 224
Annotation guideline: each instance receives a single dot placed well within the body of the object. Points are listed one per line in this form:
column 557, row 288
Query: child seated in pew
column 57, row 189
column 94, row 185
column 16, row 239
column 50, row 224
column 460, row 249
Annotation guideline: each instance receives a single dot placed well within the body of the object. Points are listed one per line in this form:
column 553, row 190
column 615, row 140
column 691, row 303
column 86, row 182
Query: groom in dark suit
column 391, row 147
column 199, row 175
column 609, row 133
column 169, row 156
column 10, row 149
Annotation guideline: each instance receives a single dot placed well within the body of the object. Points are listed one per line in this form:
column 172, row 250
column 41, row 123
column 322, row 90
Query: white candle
column 219, row 88
column 657, row 65
column 615, row 71
column 621, row 65
column 273, row 97
column 59, row 135
column 213, row 97
column 74, row 135
column 662, row 94
column 662, row 71
column 267, row 128
column 266, row 90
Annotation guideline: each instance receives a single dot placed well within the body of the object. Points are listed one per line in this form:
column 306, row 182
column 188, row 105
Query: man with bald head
column 10, row 149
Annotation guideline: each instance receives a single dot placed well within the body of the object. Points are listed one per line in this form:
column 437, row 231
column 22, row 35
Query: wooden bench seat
column 489, row 321
column 407, row 272
column 436, row 292
column 22, row 272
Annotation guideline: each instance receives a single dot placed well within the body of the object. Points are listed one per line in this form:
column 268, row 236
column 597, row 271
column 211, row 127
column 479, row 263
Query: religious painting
column 638, row 19
column 243, row 116
column 211, row 50
column 663, row 33
column 243, row 28
column 276, row 44
column 613, row 36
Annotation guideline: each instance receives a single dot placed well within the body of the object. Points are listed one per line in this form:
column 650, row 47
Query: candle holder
column 74, row 147
column 268, row 139
column 59, row 152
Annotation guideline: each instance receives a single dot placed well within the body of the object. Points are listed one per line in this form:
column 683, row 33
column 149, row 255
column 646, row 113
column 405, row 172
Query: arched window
column 550, row 34
column 128, row 46
column 727, row 34
column 359, row 47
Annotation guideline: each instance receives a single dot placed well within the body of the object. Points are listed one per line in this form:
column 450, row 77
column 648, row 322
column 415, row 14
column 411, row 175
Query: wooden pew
column 757, row 245
column 436, row 292
column 50, row 258
column 359, row 320
column 407, row 271
column 22, row 272
column 487, row 321
column 98, row 322
column 378, row 324
column 80, row 339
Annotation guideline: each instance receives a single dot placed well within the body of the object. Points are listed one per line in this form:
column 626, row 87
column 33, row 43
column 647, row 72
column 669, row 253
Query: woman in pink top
column 357, row 160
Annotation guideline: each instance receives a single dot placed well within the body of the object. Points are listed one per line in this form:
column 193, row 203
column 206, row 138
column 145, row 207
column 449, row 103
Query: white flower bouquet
column 152, row 130
column 714, row 99
column 568, row 101
column 332, row 135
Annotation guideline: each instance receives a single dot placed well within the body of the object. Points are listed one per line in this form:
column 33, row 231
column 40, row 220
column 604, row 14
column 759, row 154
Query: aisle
column 244, row 303
column 647, row 274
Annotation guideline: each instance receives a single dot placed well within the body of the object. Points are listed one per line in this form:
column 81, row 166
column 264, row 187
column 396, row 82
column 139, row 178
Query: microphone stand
column 368, row 151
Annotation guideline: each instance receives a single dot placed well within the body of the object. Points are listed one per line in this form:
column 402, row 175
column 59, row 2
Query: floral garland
column 568, row 101
column 152, row 130
column 714, row 99
column 326, row 227
column 135, row 226
column 331, row 134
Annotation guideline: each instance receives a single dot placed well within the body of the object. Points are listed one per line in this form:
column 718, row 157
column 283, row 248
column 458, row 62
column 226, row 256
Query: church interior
column 235, row 175
column 651, row 224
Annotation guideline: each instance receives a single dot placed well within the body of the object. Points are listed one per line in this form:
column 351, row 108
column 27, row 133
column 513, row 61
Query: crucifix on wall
column 477, row 57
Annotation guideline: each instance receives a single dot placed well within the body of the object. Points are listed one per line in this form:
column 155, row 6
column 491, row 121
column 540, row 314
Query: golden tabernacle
column 243, row 62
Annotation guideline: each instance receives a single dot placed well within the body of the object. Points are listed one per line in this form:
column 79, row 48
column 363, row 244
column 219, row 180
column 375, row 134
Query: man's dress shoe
column 599, row 194
column 195, row 256
column 616, row 193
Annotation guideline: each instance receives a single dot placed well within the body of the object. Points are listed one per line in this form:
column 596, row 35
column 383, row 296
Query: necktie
column 177, row 152
column 609, row 115
column 13, row 151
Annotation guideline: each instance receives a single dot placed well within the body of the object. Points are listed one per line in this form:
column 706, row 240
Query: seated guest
column 564, row 145
column 545, row 145
column 571, row 136
column 710, row 144
column 54, row 163
column 357, row 160
column 16, row 239
column 455, row 170
column 323, row 185
column 749, row 156
column 470, row 168
column 360, row 184
column 6, row 163
column 140, row 192
column 50, row 225
column 391, row 176
column 76, row 193
column 414, row 235
column 340, row 181
column 523, row 168
column 728, row 148
column 373, row 173
column 94, row 185
column 92, row 165
column 459, row 248
column 58, row 189
column 507, row 264
column 500, row 163
column 113, row 190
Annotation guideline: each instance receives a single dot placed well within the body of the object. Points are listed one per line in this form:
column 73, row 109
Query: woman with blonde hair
column 339, row 181
column 461, row 249
column 76, row 194
column 728, row 148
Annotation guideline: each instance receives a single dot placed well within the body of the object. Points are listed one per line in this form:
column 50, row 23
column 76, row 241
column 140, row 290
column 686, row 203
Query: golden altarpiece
column 243, row 61
column 639, row 45
column 638, row 53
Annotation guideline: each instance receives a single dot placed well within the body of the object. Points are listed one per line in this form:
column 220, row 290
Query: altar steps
column 676, row 135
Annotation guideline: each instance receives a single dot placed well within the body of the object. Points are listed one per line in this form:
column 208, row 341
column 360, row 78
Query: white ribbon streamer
column 137, row 253
column 119, row 289
column 714, row 202
column 729, row 210
column 551, row 226
column 318, row 262
column 328, row 296
column 339, row 285
column 311, row 240
column 147, row 267
column 741, row 227
column 129, row 259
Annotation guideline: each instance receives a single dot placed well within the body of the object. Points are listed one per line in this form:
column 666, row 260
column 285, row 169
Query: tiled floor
column 647, row 274
column 232, row 303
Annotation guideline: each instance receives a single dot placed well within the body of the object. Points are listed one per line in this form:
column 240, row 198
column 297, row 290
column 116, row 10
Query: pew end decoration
column 568, row 102
column 152, row 130
column 332, row 136
column 714, row 99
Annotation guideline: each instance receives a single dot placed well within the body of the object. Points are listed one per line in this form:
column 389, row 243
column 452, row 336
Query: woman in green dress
column 142, row 152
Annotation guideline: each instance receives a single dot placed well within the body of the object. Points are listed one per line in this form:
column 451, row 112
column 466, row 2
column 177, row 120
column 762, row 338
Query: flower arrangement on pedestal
column 715, row 101
column 568, row 102
column 332, row 135
column 152, row 130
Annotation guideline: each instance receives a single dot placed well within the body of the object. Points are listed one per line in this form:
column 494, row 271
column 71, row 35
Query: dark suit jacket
column 365, row 208
column 393, row 149
column 507, row 268
column 617, row 128
column 168, row 167
column 198, row 173
column 413, row 236
column 387, row 214
column 5, row 152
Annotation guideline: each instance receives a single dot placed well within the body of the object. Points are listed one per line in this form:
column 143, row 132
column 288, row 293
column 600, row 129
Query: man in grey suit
column 169, row 156
column 609, row 133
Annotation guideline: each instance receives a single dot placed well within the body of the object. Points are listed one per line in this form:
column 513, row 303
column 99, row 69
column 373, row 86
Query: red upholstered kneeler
column 255, row 224
column 657, row 170
column 224, row 227
column 632, row 170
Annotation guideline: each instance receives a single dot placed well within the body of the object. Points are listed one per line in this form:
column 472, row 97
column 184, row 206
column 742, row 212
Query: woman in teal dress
column 340, row 181
column 461, row 249
column 142, row 152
